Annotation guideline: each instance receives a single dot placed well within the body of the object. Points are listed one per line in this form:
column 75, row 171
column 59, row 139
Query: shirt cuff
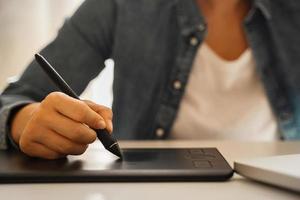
column 6, row 114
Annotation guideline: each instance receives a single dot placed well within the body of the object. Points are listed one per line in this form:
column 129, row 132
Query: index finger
column 76, row 110
column 105, row 112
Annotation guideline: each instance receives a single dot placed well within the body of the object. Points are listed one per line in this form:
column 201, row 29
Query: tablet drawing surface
column 98, row 165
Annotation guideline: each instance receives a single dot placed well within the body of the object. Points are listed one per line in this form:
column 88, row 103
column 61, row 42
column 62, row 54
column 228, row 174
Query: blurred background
column 27, row 26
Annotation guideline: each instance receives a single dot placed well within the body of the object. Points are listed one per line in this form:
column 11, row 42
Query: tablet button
column 202, row 156
column 196, row 151
column 202, row 164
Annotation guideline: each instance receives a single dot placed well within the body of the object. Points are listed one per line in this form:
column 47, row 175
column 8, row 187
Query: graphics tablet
column 98, row 165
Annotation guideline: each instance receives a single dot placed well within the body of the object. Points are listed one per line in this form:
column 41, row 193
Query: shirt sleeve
column 78, row 53
column 5, row 121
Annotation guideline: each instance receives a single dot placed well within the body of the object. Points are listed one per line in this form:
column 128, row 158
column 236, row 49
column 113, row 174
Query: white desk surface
column 236, row 188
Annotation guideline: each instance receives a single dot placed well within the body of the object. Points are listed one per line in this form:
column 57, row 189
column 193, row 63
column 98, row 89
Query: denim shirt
column 153, row 44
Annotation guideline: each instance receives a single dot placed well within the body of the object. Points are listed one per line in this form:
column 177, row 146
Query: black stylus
column 107, row 140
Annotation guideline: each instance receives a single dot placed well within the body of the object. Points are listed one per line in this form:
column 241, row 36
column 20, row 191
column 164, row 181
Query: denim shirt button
column 160, row 132
column 202, row 27
column 177, row 85
column 194, row 41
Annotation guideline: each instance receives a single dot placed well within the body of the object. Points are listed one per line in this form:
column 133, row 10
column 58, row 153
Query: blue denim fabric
column 153, row 44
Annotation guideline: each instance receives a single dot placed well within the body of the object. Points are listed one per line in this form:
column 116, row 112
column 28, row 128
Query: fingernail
column 101, row 124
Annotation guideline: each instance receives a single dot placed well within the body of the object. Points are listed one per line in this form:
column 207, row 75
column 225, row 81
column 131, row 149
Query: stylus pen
column 107, row 140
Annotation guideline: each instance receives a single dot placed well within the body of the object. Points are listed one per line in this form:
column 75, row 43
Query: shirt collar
column 190, row 17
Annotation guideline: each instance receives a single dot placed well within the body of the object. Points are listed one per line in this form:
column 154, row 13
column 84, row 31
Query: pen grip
column 105, row 137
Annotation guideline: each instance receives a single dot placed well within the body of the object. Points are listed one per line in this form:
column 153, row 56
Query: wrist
column 20, row 120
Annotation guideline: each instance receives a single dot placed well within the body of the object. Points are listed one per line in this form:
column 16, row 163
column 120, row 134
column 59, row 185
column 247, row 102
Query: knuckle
column 86, row 101
column 44, row 117
column 30, row 127
column 90, row 137
column 56, row 95
column 81, row 112
column 25, row 146
column 59, row 147
column 44, row 104
column 67, row 148
column 77, row 131
column 82, row 104
column 94, row 121
column 107, row 112
column 52, row 96
column 80, row 149
column 83, row 134
column 93, row 137
column 41, row 118
column 50, row 99
column 28, row 147
column 32, row 132
column 78, row 115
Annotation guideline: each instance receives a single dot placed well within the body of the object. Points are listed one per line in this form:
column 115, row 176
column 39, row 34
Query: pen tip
column 115, row 149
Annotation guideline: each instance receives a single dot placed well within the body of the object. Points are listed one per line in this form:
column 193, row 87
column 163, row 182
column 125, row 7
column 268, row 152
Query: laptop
column 99, row 165
column 282, row 171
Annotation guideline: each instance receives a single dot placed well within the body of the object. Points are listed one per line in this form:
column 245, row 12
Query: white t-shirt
column 224, row 100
